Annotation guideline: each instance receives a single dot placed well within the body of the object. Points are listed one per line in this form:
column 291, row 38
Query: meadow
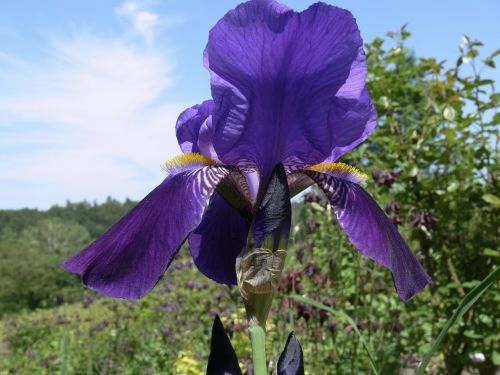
column 433, row 166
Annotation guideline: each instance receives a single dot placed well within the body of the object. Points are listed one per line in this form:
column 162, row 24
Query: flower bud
column 259, row 266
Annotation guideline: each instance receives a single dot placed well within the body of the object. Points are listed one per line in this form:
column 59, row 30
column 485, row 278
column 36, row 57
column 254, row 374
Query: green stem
column 258, row 339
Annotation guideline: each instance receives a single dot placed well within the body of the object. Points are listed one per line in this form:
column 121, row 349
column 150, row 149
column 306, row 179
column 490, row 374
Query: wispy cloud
column 145, row 23
column 86, row 122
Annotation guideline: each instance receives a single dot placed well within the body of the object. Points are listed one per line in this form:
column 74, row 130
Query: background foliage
column 434, row 162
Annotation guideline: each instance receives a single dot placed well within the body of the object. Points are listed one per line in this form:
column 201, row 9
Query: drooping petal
column 218, row 240
column 193, row 129
column 291, row 361
column 130, row 258
column 280, row 82
column 222, row 359
column 372, row 232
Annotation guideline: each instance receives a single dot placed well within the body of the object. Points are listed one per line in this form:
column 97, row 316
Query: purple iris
column 288, row 89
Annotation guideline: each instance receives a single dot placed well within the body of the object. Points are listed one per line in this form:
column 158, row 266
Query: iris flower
column 288, row 89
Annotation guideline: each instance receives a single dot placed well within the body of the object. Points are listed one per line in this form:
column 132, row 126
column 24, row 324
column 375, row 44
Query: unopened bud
column 258, row 272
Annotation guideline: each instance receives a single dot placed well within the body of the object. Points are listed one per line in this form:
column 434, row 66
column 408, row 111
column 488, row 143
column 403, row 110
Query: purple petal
column 129, row 259
column 281, row 80
column 353, row 120
column 373, row 233
column 291, row 361
column 273, row 216
column 222, row 359
column 205, row 140
column 194, row 129
column 218, row 240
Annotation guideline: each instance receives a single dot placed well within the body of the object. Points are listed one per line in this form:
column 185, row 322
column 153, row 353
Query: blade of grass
column 342, row 316
column 464, row 306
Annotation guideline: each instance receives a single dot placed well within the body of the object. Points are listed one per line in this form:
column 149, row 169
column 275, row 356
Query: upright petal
column 130, row 258
column 218, row 240
column 373, row 233
column 353, row 120
column 193, row 129
column 280, row 81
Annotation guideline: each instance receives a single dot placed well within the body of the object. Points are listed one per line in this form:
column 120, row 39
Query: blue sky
column 90, row 90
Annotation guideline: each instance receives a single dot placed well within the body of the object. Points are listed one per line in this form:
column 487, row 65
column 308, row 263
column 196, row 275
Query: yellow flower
column 185, row 364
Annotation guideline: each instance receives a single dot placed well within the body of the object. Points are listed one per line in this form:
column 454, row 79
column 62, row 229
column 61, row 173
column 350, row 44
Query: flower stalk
column 258, row 340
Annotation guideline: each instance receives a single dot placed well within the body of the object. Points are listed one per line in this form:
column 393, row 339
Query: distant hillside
column 96, row 218
column 34, row 242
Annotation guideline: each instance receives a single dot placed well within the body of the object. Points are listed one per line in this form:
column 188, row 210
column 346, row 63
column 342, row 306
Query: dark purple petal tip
column 222, row 359
column 291, row 361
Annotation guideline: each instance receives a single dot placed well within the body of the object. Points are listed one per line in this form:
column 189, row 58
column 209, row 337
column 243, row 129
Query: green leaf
column 496, row 358
column 471, row 284
column 472, row 335
column 483, row 82
column 317, row 207
column 346, row 318
column 414, row 171
column 491, row 199
column 452, row 187
column 464, row 306
column 449, row 113
column 491, row 253
column 496, row 119
column 384, row 102
column 489, row 63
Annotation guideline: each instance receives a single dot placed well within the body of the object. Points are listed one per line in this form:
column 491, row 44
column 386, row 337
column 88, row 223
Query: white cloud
column 85, row 123
column 143, row 21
